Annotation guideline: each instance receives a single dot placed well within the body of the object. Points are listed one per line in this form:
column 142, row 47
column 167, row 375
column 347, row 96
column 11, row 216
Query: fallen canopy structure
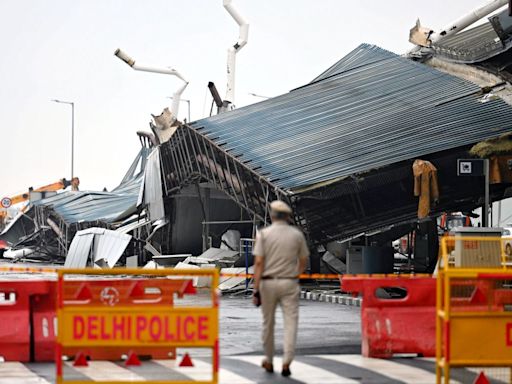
column 340, row 149
column 485, row 46
column 50, row 224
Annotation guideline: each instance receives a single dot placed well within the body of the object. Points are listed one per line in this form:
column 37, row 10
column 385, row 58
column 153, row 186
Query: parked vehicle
column 445, row 225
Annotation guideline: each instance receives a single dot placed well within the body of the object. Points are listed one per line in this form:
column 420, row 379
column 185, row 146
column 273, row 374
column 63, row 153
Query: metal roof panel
column 374, row 110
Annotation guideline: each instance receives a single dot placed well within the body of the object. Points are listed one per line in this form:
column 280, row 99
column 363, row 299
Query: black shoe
column 286, row 372
column 269, row 368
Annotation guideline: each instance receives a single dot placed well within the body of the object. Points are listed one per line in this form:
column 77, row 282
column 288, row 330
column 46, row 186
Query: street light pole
column 166, row 71
column 72, row 133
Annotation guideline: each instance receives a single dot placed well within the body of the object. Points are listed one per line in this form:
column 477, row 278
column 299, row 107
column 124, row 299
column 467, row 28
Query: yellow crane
column 12, row 200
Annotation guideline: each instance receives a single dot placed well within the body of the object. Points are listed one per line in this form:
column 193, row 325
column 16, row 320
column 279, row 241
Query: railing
column 474, row 302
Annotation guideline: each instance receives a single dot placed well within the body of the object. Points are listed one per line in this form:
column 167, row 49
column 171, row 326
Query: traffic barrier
column 474, row 322
column 44, row 323
column 135, row 313
column 27, row 310
column 29, row 320
column 16, row 299
column 303, row 276
column 405, row 324
column 125, row 291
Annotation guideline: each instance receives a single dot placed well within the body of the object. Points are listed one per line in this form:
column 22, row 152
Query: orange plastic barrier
column 396, row 325
column 44, row 323
column 128, row 292
column 133, row 315
column 16, row 299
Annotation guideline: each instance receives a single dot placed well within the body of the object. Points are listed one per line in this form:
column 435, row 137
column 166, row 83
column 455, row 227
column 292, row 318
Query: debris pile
column 73, row 227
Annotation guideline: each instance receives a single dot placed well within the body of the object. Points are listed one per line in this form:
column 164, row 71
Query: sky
column 57, row 49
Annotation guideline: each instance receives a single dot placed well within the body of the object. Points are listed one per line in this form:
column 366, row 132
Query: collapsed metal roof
column 479, row 43
column 372, row 109
column 50, row 224
column 363, row 55
column 341, row 148
column 83, row 206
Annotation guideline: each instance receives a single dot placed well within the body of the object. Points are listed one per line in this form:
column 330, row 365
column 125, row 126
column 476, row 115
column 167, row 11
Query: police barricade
column 132, row 310
column 397, row 313
column 27, row 310
column 474, row 303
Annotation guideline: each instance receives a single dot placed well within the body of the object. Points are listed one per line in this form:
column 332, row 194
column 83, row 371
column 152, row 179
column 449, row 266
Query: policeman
column 280, row 255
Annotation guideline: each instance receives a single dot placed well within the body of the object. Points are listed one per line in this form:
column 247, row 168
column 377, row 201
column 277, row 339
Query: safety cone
column 132, row 359
column 187, row 361
column 80, row 360
column 481, row 379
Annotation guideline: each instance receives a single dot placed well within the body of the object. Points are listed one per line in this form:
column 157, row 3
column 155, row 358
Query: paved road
column 244, row 369
column 328, row 353
column 323, row 328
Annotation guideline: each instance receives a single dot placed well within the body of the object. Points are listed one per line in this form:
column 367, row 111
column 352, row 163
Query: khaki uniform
column 281, row 247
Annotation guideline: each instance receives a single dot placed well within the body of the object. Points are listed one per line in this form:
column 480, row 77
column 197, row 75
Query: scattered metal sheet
column 79, row 254
column 129, row 227
column 213, row 254
column 170, row 260
column 103, row 246
column 334, row 264
column 152, row 194
column 233, row 283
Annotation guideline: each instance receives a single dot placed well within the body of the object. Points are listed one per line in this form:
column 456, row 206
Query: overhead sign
column 104, row 327
column 6, row 202
column 470, row 167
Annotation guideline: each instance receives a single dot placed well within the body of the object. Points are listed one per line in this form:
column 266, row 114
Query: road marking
column 105, row 370
column 389, row 368
column 12, row 372
column 302, row 371
column 202, row 371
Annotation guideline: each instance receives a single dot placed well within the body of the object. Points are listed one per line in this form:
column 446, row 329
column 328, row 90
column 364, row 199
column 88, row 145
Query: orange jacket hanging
column 425, row 186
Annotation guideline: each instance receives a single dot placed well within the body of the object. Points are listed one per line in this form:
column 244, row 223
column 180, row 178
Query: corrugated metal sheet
column 151, row 192
column 474, row 45
column 471, row 46
column 362, row 55
column 104, row 246
column 373, row 114
column 82, row 206
column 79, row 250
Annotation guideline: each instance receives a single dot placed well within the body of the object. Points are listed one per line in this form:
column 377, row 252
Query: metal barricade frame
column 459, row 318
